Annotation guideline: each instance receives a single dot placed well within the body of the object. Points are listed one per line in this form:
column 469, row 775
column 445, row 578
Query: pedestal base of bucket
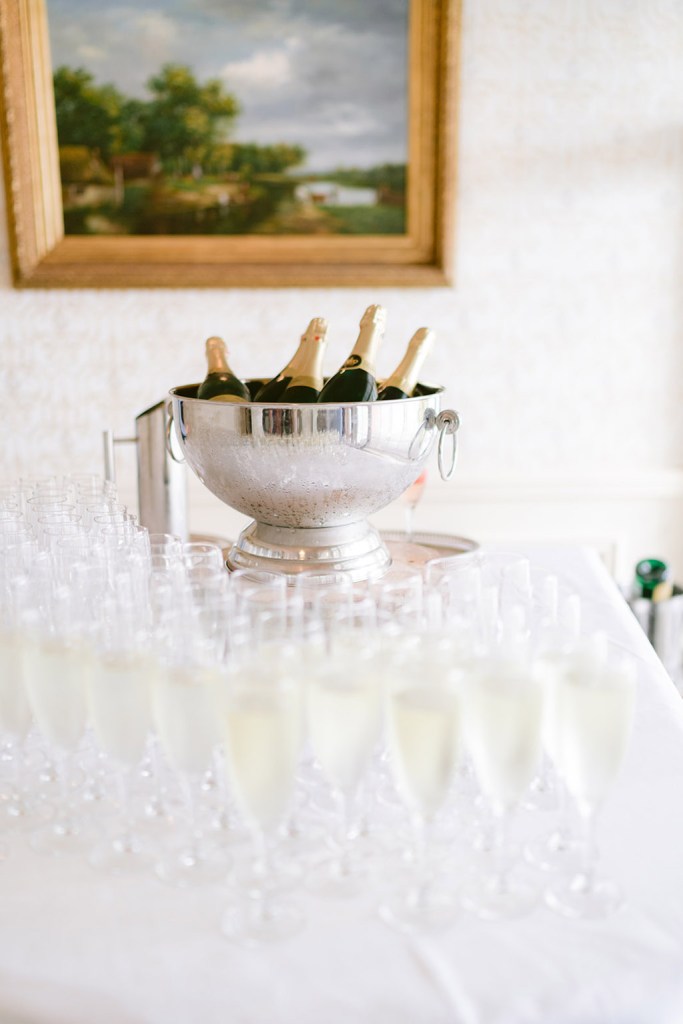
column 356, row 549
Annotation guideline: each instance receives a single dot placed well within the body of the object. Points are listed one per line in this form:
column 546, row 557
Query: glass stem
column 562, row 834
column 191, row 803
column 409, row 520
column 589, row 853
column 422, row 879
column 13, row 754
column 261, row 904
column 344, row 859
column 501, row 865
column 158, row 794
column 224, row 819
column 126, row 813
column 64, row 823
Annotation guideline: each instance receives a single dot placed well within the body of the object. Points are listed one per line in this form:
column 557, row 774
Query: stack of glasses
column 401, row 740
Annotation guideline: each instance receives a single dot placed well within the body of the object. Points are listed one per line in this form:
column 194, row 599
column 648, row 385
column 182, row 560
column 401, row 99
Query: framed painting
column 268, row 143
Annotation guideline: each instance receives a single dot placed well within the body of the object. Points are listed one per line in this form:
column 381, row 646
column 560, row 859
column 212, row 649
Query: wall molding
column 648, row 485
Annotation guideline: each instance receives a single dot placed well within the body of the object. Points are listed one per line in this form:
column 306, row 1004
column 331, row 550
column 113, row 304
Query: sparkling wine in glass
column 120, row 710
column 187, row 715
column 410, row 499
column 503, row 724
column 595, row 717
column 55, row 670
column 262, row 737
column 344, row 713
column 425, row 747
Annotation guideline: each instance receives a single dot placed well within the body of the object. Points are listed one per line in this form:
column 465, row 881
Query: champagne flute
column 503, row 725
column 410, row 499
column 15, row 719
column 263, row 737
column 595, row 717
column 56, row 664
column 187, row 714
column 120, row 708
column 344, row 713
column 425, row 742
column 556, row 848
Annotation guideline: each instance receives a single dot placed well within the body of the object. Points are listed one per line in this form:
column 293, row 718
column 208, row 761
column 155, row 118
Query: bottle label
column 662, row 591
column 228, row 398
column 353, row 361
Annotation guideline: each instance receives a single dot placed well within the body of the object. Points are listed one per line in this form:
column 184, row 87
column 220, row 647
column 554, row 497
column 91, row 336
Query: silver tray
column 420, row 547
column 414, row 549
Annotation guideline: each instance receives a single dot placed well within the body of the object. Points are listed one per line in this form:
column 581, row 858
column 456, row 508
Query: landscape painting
column 232, row 117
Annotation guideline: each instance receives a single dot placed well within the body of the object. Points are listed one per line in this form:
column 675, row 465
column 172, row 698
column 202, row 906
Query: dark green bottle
column 653, row 579
column 355, row 381
column 272, row 389
column 307, row 378
column 401, row 383
column 220, row 383
column 254, row 385
column 314, row 337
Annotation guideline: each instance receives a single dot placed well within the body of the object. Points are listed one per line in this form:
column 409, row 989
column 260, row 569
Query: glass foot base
column 541, row 796
column 186, row 868
column 341, row 879
column 582, row 897
column 495, row 900
column 121, row 855
column 57, row 838
column 253, row 924
column 427, row 910
column 556, row 851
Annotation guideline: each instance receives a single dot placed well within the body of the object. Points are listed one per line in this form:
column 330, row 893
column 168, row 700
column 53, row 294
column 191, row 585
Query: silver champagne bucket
column 309, row 475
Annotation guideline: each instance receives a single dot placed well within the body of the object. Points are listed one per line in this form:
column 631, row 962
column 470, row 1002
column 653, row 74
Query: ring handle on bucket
column 447, row 422
column 169, row 428
column 421, row 443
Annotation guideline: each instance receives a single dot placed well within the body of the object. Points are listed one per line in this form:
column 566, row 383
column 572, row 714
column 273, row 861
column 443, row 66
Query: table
column 76, row 948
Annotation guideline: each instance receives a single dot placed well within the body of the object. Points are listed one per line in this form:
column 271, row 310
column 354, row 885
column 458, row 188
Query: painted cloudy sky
column 328, row 74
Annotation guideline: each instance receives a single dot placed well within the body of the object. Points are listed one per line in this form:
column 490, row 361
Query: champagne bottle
column 355, row 380
column 653, row 580
column 307, row 377
column 401, row 383
column 220, row 383
column 274, row 389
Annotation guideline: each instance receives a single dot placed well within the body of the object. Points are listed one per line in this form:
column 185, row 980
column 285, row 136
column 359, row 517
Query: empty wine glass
column 400, row 592
column 198, row 554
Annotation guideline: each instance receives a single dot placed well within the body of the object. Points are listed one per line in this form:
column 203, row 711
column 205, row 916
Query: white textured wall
column 561, row 341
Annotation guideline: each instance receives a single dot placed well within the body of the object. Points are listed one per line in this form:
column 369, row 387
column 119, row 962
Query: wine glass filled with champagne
column 262, row 733
column 425, row 717
column 344, row 714
column 503, row 725
column 595, row 706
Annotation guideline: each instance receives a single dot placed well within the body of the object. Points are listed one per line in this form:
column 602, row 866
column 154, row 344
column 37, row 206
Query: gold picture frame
column 42, row 256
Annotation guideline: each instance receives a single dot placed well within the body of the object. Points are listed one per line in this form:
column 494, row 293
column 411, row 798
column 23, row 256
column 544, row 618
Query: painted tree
column 87, row 114
column 184, row 119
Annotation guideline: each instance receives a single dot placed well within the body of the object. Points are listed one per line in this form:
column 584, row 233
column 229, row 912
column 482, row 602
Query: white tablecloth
column 81, row 949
